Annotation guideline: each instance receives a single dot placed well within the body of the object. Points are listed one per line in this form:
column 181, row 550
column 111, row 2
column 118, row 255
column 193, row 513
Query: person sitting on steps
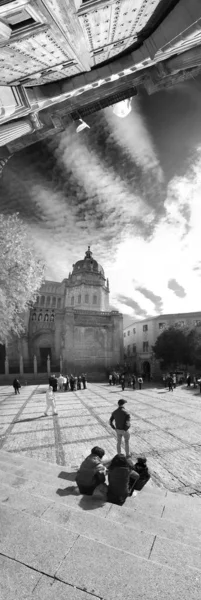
column 122, row 479
column 91, row 472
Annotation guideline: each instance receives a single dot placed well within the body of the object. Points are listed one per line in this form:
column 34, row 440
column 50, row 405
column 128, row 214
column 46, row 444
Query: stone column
column 61, row 363
column 35, row 365
column 48, row 365
column 21, row 365
column 6, row 366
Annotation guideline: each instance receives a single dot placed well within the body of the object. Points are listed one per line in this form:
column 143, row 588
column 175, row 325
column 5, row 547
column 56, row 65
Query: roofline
column 164, row 316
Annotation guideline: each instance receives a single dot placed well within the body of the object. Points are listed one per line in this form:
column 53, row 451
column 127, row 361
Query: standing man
column 123, row 382
column 16, row 385
column 50, row 401
column 122, row 424
column 140, row 382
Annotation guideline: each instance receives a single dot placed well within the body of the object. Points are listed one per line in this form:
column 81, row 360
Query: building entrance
column 44, row 353
column 146, row 370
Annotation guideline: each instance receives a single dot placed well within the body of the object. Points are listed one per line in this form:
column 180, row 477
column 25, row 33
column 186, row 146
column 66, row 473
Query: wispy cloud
column 156, row 300
column 176, row 288
column 137, row 310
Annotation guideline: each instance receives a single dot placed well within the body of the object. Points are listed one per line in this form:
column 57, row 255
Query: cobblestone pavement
column 166, row 428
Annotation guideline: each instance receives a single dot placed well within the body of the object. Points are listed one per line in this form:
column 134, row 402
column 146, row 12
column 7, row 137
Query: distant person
column 72, row 382
column 16, row 386
column 110, row 379
column 75, row 384
column 170, row 383
column 79, row 382
column 61, row 382
column 66, row 383
column 194, row 382
column 50, row 402
column 53, row 382
column 140, row 382
column 134, row 381
column 174, row 379
column 113, row 379
column 122, row 479
column 123, row 382
column 91, row 472
column 129, row 380
column 84, row 381
column 122, row 425
column 188, row 381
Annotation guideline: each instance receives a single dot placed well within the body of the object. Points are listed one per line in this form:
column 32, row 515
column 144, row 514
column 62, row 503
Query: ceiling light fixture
column 82, row 126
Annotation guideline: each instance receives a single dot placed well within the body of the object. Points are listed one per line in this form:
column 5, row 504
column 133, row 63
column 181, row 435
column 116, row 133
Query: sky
column 131, row 189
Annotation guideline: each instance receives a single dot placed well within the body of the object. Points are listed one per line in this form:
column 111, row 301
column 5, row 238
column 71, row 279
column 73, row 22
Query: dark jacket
column 90, row 467
column 121, row 418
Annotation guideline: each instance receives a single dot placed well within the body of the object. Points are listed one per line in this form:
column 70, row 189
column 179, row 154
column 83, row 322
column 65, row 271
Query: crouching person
column 91, row 472
column 122, row 479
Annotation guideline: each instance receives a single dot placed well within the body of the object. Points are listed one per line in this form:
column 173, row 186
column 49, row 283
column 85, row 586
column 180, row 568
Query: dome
column 87, row 264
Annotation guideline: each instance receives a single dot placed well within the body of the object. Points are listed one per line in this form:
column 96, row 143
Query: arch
column 48, row 301
column 42, row 300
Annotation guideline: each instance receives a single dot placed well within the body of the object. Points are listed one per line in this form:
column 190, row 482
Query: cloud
column 156, row 300
column 176, row 288
column 140, row 312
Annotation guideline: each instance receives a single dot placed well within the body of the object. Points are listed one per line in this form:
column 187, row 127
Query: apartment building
column 140, row 337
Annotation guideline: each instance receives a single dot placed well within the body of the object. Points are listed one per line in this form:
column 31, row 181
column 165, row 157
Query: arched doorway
column 146, row 370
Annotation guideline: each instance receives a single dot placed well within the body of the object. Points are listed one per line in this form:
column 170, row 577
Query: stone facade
column 72, row 323
column 89, row 54
column 140, row 336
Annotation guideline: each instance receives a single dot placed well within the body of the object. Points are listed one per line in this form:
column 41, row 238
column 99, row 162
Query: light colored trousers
column 126, row 435
column 50, row 402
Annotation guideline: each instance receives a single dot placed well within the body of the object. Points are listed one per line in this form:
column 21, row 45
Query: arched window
column 42, row 300
column 72, row 301
column 52, row 317
column 94, row 299
column 79, row 299
column 86, row 299
column 40, row 316
column 34, row 316
column 54, row 301
column 37, row 300
column 59, row 303
column 48, row 301
column 46, row 317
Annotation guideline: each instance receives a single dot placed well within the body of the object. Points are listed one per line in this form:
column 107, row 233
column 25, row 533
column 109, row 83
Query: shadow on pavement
column 72, row 490
column 29, row 419
column 69, row 476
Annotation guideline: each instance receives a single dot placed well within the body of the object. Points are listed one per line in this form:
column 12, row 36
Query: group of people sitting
column 68, row 382
column 123, row 476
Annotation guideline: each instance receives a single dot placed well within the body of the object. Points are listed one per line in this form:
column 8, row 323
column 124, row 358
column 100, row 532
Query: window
column 86, row 298
column 52, row 317
column 79, row 299
column 94, row 299
column 40, row 316
column 128, row 350
column 124, row 334
column 134, row 348
column 37, row 300
column 179, row 324
column 145, row 346
column 145, row 327
column 54, row 301
column 46, row 318
column 134, row 330
column 128, row 332
column 34, row 316
column 48, row 301
column 197, row 323
column 161, row 325
column 42, row 301
column 72, row 301
column 19, row 20
column 59, row 303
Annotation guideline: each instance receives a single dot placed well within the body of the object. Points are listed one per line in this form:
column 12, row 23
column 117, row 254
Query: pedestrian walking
column 72, row 382
column 75, row 384
column 110, row 379
column 188, row 381
column 140, row 382
column 16, row 386
column 79, row 382
column 122, row 424
column 84, row 381
column 50, row 402
column 53, row 382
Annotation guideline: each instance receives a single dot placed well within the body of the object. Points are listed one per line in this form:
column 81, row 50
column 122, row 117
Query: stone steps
column 54, row 537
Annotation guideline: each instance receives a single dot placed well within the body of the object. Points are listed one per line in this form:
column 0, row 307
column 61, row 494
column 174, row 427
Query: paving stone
column 23, row 501
column 107, row 573
column 17, row 581
column 134, row 541
column 32, row 541
column 185, row 532
column 176, row 555
column 46, row 590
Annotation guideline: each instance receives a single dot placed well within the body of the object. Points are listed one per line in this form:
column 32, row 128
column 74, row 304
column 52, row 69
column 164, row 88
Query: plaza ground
column 166, row 428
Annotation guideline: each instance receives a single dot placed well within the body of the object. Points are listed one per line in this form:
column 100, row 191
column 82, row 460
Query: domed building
column 73, row 324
